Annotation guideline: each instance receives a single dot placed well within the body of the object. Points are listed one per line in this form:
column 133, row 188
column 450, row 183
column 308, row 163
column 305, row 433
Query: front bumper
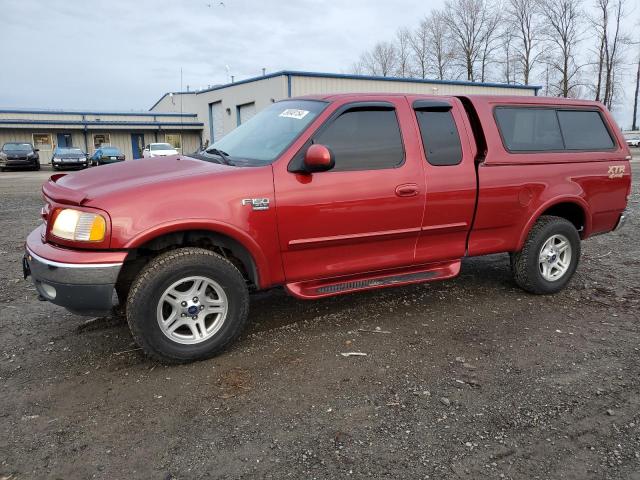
column 21, row 163
column 82, row 288
column 70, row 163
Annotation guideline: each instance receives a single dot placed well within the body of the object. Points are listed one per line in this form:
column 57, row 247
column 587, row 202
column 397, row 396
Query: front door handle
column 407, row 190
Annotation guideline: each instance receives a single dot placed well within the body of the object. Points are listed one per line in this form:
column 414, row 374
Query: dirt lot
column 470, row 379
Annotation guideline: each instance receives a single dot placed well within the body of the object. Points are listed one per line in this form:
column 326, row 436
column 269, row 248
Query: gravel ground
column 470, row 378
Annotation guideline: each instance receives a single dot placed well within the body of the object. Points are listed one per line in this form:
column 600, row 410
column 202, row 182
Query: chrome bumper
column 86, row 289
column 621, row 221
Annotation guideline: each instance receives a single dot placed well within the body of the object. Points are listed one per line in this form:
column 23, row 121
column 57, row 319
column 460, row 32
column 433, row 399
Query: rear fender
column 580, row 202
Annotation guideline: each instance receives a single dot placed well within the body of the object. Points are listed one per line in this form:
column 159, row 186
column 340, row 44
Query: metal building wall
column 302, row 85
column 260, row 91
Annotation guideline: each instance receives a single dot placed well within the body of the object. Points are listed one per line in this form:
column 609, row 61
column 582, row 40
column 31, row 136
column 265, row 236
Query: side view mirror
column 36, row 149
column 318, row 158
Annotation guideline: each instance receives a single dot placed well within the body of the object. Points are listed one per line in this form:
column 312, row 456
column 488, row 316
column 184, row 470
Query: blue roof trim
column 298, row 73
column 123, row 114
column 88, row 123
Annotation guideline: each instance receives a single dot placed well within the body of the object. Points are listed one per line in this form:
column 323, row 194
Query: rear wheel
column 187, row 304
column 549, row 257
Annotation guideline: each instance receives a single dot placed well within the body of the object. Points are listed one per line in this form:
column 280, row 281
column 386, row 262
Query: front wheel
column 549, row 257
column 187, row 304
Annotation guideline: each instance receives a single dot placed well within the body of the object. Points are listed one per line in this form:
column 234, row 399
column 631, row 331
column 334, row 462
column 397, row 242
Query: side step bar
column 388, row 278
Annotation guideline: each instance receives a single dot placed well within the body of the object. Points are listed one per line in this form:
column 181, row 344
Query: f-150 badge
column 257, row 203
column 616, row 171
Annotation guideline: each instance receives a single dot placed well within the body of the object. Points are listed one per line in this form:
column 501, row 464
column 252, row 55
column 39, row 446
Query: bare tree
column 509, row 60
column 381, row 60
column 468, row 21
column 611, row 41
column 440, row 51
column 489, row 41
column 523, row 23
column 403, row 53
column 562, row 21
column 420, row 48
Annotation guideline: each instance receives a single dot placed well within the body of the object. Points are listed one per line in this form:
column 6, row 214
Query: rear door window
column 529, row 129
column 584, row 130
column 364, row 139
column 440, row 137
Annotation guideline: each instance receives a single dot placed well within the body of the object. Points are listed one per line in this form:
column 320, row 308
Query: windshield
column 75, row 151
column 161, row 146
column 17, row 147
column 111, row 151
column 262, row 138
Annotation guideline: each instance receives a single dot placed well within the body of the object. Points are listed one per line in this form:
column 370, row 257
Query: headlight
column 79, row 226
column 56, row 159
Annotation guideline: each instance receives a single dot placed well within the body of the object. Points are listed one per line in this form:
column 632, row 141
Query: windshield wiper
column 223, row 155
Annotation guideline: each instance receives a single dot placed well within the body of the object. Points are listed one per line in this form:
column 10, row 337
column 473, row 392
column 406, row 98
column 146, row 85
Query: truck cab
column 328, row 195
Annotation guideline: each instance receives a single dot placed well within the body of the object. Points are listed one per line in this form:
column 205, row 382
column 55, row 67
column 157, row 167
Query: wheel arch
column 236, row 246
column 574, row 209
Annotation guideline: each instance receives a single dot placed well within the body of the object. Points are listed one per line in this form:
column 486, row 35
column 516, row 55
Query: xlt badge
column 257, row 203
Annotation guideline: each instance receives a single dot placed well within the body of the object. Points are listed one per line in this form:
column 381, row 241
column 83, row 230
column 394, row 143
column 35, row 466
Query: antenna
column 181, row 117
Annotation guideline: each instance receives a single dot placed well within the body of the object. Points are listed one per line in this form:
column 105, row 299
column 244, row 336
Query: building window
column 100, row 139
column 173, row 139
column 42, row 141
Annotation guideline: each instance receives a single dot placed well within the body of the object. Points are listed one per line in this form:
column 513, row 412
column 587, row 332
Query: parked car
column 158, row 150
column 68, row 157
column 19, row 155
column 633, row 141
column 106, row 154
column 328, row 195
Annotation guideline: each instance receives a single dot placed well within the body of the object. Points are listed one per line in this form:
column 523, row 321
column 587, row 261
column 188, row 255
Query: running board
column 388, row 278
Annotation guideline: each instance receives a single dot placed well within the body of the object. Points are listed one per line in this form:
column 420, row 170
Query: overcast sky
column 124, row 54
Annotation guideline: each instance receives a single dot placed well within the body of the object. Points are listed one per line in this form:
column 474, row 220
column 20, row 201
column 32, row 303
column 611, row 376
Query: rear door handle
column 407, row 190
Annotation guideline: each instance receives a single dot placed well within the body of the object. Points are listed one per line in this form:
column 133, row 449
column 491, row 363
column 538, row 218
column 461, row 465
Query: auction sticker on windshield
column 294, row 113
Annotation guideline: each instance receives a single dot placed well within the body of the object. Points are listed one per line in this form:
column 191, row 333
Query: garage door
column 245, row 112
column 215, row 119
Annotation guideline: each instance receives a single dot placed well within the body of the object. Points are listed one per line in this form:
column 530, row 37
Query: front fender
column 189, row 224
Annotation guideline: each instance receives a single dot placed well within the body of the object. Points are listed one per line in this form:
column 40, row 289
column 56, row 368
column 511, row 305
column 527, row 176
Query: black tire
column 158, row 275
column 525, row 263
column 37, row 167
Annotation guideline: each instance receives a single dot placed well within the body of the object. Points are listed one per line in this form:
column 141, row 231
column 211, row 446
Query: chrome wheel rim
column 555, row 258
column 192, row 310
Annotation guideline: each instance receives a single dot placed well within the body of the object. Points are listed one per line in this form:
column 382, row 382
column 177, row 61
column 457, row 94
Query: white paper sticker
column 294, row 113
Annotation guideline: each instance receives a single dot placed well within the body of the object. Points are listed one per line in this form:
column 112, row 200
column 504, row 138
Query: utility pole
column 181, row 117
column 634, row 123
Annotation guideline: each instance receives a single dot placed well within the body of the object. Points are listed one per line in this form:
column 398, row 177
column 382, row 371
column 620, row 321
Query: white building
column 222, row 108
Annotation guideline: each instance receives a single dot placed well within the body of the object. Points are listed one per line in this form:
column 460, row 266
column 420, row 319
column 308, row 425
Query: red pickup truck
column 327, row 195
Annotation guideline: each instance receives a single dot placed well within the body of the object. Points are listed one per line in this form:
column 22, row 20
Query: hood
column 69, row 155
column 85, row 186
